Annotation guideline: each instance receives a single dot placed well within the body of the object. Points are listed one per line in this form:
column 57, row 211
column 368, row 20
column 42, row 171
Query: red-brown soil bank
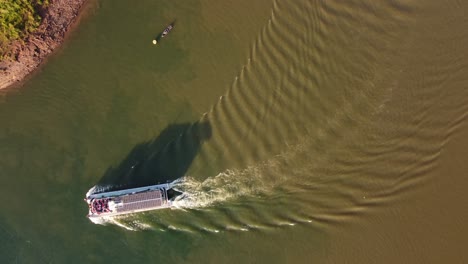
column 28, row 54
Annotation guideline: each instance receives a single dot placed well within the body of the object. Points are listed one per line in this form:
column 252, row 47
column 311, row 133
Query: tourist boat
column 164, row 33
column 131, row 200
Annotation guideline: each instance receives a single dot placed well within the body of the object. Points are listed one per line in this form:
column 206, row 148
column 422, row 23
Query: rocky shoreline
column 57, row 19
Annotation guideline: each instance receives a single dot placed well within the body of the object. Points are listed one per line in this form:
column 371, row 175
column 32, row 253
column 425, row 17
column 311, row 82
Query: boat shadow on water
column 164, row 159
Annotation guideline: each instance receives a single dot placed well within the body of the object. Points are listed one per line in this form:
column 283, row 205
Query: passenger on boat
column 98, row 207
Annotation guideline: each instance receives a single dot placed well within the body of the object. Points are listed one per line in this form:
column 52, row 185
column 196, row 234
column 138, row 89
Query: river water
column 301, row 131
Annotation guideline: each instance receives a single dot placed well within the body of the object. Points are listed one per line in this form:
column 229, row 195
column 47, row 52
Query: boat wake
column 199, row 194
column 195, row 194
column 231, row 186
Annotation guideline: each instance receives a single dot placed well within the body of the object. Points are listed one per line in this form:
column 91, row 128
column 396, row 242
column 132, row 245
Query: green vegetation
column 18, row 18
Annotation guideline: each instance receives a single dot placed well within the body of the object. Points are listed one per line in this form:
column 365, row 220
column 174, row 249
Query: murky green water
column 304, row 131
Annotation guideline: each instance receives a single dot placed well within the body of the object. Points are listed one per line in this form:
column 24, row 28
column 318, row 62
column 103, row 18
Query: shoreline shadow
column 163, row 159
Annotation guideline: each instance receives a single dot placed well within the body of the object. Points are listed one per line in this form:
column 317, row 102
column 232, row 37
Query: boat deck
column 142, row 201
column 128, row 201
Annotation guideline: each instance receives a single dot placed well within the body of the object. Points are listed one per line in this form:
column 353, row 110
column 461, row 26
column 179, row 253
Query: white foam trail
column 114, row 221
column 254, row 180
column 109, row 220
column 222, row 187
column 133, row 225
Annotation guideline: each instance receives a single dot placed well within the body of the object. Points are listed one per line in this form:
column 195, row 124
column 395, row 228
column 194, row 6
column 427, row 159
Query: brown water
column 303, row 131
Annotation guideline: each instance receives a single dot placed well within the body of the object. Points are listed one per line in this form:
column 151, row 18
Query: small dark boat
column 167, row 30
column 164, row 33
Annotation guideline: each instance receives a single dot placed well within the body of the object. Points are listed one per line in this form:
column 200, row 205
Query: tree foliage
column 18, row 18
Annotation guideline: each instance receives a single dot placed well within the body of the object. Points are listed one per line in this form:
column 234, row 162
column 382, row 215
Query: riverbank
column 28, row 54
